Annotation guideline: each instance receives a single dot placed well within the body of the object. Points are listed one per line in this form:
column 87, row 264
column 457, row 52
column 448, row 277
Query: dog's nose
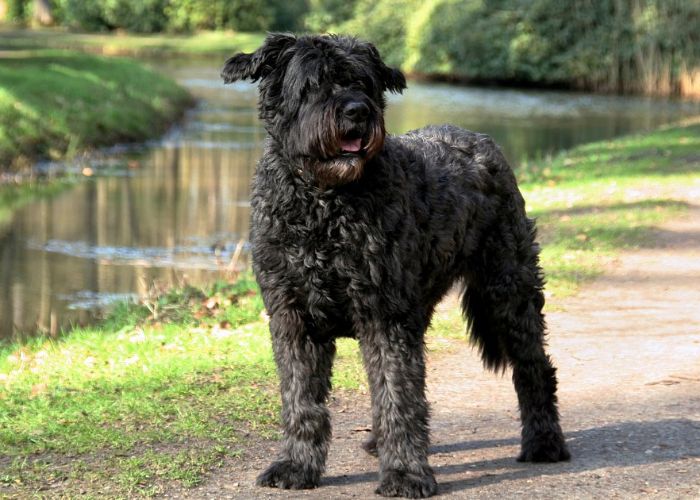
column 356, row 111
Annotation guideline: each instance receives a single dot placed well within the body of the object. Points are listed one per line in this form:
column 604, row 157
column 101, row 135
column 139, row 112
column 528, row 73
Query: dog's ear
column 260, row 63
column 392, row 79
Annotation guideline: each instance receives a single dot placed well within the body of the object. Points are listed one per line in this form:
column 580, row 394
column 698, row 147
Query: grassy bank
column 55, row 103
column 166, row 391
column 203, row 43
column 162, row 391
column 599, row 198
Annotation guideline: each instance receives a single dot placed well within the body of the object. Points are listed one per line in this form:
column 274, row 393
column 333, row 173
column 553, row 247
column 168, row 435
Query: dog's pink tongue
column 351, row 145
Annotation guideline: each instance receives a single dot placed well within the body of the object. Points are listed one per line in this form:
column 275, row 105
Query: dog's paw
column 396, row 483
column 370, row 446
column 549, row 447
column 288, row 475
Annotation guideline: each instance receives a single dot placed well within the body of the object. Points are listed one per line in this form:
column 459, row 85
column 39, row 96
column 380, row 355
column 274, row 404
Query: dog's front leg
column 304, row 368
column 394, row 359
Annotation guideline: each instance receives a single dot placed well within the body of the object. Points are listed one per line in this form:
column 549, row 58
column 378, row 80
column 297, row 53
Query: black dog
column 358, row 234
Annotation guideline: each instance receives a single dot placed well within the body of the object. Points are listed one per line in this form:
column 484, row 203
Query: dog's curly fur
column 359, row 234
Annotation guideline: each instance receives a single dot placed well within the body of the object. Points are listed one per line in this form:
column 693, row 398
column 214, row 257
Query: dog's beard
column 344, row 150
column 337, row 171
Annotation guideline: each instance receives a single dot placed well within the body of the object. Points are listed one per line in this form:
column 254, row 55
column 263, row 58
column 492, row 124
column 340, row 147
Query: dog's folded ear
column 393, row 80
column 260, row 63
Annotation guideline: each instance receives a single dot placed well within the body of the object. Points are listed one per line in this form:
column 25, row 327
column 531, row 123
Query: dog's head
column 321, row 99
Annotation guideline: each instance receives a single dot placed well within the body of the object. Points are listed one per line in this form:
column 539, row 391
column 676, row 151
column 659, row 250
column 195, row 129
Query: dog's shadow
column 616, row 445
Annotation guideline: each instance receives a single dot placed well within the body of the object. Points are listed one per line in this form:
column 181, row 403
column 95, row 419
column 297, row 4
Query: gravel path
column 628, row 352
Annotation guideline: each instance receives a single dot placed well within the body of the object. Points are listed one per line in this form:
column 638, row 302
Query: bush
column 242, row 15
column 384, row 24
column 648, row 46
column 326, row 15
column 289, row 15
column 459, row 38
column 152, row 16
column 17, row 11
column 145, row 16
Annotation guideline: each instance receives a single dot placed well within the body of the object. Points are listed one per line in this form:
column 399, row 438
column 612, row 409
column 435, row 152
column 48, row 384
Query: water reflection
column 179, row 209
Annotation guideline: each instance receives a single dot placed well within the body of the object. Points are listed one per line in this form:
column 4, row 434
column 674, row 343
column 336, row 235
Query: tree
column 43, row 13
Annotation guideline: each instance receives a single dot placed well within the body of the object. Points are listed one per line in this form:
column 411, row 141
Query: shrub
column 242, row 15
column 648, row 46
column 384, row 23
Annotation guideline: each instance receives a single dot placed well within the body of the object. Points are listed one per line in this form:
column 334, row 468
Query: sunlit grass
column 600, row 198
column 147, row 399
column 55, row 103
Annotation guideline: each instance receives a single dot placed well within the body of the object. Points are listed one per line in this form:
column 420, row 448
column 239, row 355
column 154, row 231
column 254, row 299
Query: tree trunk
column 42, row 12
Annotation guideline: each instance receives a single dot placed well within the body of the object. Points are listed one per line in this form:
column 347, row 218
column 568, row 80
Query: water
column 177, row 209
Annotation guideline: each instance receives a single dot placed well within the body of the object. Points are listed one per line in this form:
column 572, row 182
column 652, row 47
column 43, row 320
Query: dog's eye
column 360, row 87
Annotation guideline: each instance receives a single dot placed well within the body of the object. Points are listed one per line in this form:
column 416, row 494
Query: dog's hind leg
column 304, row 368
column 503, row 304
column 393, row 354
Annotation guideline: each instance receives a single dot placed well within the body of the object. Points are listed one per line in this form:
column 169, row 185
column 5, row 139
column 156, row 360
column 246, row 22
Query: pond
column 176, row 210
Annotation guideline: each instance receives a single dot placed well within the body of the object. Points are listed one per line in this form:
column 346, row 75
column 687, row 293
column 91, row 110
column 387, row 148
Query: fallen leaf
column 38, row 390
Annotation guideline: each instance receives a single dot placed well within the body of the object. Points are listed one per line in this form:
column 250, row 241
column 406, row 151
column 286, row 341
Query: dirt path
column 628, row 352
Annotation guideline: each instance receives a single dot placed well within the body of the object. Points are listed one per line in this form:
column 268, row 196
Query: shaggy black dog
column 359, row 234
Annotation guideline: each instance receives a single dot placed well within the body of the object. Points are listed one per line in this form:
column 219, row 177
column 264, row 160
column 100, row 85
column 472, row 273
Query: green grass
column 156, row 393
column 163, row 392
column 600, row 198
column 208, row 42
column 54, row 103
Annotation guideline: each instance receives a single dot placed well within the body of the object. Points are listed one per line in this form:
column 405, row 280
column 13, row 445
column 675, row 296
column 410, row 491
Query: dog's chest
column 325, row 259
column 329, row 251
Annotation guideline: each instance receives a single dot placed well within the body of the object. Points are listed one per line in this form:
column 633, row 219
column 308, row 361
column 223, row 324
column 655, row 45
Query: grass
column 54, row 103
column 597, row 199
column 208, row 42
column 160, row 392
column 165, row 391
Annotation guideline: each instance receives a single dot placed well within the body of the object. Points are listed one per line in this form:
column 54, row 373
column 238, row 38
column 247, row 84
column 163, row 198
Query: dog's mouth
column 351, row 144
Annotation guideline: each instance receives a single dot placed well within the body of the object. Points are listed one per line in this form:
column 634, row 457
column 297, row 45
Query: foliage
column 17, row 10
column 327, row 15
column 93, row 101
column 143, row 16
column 289, row 15
column 632, row 46
column 153, row 16
column 649, row 46
column 459, row 38
column 243, row 15
column 384, row 23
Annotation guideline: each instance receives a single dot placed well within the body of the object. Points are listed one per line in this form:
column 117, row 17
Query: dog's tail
column 503, row 298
